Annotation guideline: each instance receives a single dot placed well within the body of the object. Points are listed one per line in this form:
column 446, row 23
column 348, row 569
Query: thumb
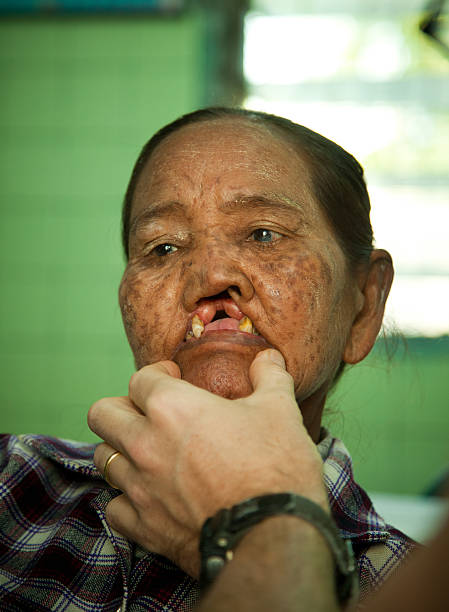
column 268, row 373
column 167, row 367
column 143, row 380
column 160, row 368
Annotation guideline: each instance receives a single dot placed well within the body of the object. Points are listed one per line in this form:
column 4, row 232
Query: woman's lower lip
column 224, row 336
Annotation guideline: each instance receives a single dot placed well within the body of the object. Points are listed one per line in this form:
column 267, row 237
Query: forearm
column 282, row 564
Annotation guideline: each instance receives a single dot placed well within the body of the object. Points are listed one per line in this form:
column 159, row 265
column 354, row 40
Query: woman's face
column 224, row 221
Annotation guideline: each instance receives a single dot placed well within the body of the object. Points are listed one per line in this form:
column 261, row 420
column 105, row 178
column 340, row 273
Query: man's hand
column 186, row 453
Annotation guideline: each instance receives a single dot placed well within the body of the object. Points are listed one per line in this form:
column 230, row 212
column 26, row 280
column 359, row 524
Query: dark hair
column 337, row 177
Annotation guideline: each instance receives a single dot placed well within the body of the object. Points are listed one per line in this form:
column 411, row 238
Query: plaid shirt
column 58, row 553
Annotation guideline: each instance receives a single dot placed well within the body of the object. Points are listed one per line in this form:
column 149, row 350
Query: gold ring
column 106, row 468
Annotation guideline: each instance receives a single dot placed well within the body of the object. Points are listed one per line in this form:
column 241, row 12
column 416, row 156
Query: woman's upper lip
column 207, row 309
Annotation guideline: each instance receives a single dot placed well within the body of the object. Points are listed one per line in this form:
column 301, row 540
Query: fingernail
column 276, row 357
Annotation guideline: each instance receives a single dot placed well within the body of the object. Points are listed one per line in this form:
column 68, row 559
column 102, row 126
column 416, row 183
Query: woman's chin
column 223, row 373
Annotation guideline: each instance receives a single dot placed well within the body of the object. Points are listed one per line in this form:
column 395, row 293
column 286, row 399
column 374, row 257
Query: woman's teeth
column 197, row 326
column 245, row 325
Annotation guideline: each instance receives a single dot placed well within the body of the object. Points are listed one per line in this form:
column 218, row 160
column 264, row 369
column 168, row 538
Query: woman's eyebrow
column 267, row 202
column 155, row 211
column 158, row 210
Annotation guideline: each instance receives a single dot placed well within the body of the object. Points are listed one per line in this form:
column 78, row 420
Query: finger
column 122, row 517
column 116, row 420
column 159, row 534
column 144, row 381
column 117, row 469
column 268, row 374
column 101, row 454
column 161, row 369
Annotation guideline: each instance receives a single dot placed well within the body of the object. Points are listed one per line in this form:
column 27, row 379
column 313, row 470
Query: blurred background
column 85, row 83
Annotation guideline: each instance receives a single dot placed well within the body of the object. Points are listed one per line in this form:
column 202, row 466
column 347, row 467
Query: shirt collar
column 74, row 456
column 351, row 507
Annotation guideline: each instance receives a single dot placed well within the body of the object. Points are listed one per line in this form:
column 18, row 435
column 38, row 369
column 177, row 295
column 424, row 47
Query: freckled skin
column 297, row 290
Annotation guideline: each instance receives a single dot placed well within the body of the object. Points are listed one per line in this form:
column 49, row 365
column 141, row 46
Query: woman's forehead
column 211, row 165
column 234, row 152
column 227, row 133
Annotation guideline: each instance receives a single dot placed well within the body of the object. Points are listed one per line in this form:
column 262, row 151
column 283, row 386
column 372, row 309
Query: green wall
column 79, row 98
column 393, row 414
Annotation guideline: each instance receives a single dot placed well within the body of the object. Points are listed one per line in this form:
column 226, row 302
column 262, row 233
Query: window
column 364, row 75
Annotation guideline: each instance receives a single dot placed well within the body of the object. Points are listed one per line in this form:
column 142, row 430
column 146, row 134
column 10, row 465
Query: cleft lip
column 206, row 311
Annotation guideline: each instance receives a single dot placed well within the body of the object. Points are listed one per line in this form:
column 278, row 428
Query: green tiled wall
column 78, row 99
column 394, row 416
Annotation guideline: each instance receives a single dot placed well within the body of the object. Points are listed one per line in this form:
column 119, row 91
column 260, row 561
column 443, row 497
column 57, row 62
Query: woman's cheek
column 143, row 318
column 306, row 293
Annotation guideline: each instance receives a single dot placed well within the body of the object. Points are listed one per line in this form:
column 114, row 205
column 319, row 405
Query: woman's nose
column 212, row 270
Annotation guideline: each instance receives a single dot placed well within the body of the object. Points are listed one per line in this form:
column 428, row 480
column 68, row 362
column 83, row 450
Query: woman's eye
column 265, row 235
column 164, row 249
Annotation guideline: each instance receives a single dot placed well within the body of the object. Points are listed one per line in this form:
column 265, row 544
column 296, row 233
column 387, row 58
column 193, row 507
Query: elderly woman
column 251, row 280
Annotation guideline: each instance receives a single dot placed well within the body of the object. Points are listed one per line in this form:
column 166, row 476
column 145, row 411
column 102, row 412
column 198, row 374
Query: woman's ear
column 374, row 287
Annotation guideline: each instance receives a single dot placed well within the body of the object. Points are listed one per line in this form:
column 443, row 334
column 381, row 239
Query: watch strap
column 222, row 532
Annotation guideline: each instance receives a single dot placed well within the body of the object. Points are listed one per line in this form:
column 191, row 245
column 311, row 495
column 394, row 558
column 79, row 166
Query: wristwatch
column 222, row 532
